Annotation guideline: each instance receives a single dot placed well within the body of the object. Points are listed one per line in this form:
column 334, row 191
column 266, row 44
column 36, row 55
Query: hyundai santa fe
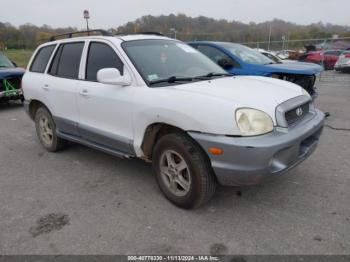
column 150, row 97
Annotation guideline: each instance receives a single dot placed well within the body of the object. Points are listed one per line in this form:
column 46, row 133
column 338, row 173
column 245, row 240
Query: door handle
column 45, row 87
column 84, row 92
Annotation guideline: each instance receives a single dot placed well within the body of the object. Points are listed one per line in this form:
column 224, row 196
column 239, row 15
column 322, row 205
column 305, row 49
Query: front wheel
column 183, row 171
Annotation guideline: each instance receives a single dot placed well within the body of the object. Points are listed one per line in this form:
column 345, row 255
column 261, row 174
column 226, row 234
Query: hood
column 247, row 91
column 11, row 72
column 296, row 68
column 298, row 63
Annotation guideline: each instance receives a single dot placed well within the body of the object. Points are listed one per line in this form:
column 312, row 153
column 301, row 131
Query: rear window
column 67, row 60
column 42, row 58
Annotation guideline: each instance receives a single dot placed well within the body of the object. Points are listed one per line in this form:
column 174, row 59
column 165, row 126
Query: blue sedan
column 238, row 59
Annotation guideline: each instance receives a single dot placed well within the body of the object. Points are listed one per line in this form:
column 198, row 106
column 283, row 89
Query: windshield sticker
column 152, row 77
column 187, row 48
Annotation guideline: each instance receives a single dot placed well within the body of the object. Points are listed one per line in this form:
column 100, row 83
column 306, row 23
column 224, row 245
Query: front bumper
column 342, row 67
column 15, row 95
column 250, row 160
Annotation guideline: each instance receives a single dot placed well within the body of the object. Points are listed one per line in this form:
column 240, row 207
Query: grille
column 297, row 113
column 306, row 82
column 14, row 82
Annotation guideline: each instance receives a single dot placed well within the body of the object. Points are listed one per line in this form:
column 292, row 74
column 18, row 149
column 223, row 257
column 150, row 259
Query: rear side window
column 67, row 60
column 101, row 56
column 41, row 59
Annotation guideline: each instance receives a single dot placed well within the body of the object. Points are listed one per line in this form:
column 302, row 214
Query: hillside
column 198, row 28
column 28, row 36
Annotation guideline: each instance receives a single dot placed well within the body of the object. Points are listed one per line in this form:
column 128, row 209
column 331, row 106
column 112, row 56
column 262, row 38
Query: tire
column 187, row 187
column 46, row 131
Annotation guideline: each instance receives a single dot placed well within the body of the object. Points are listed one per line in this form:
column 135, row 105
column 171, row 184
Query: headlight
column 252, row 122
column 305, row 93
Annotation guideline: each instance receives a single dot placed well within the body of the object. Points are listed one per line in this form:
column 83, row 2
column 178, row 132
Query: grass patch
column 19, row 56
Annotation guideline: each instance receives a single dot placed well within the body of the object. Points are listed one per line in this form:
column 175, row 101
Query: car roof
column 211, row 42
column 121, row 38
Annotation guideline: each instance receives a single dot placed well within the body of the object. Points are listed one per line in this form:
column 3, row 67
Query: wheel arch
column 155, row 131
column 34, row 105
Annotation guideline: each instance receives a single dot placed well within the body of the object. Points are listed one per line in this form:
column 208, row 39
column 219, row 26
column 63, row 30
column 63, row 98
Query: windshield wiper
column 172, row 79
column 211, row 75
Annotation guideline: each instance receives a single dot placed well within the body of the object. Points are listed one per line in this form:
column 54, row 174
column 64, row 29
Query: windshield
column 5, row 62
column 247, row 54
column 167, row 59
column 273, row 57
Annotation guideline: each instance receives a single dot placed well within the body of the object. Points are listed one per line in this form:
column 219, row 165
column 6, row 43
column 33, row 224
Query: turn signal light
column 215, row 151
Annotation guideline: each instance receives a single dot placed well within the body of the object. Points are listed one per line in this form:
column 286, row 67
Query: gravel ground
column 81, row 201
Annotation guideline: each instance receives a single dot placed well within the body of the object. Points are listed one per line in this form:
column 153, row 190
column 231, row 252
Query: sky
column 107, row 14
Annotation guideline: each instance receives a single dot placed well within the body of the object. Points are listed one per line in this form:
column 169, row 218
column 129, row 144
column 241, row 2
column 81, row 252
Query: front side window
column 213, row 53
column 247, row 54
column 101, row 56
column 41, row 59
column 67, row 60
column 162, row 59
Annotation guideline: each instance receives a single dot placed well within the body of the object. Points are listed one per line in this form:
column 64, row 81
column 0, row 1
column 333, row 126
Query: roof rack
column 150, row 33
column 89, row 32
column 141, row 33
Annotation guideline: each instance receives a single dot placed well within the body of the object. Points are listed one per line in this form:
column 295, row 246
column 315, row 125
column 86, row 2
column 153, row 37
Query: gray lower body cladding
column 91, row 137
column 251, row 160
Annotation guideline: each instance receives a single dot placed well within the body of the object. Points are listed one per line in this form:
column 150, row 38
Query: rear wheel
column 46, row 131
column 183, row 171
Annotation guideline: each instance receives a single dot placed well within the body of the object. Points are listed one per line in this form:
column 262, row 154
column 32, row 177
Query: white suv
column 158, row 99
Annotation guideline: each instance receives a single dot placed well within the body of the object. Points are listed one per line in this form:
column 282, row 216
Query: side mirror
column 225, row 64
column 112, row 76
column 15, row 65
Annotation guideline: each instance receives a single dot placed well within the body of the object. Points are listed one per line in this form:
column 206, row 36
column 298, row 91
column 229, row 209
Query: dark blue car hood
column 11, row 72
column 289, row 68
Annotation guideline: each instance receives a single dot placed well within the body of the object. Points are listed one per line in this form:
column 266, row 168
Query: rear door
column 331, row 57
column 35, row 78
column 61, row 85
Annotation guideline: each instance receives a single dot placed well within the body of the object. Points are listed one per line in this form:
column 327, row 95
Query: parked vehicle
column 343, row 63
column 327, row 59
column 238, row 59
column 288, row 54
column 276, row 59
column 160, row 100
column 10, row 80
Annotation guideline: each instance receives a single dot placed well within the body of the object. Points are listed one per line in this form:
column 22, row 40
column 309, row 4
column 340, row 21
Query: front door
column 105, row 111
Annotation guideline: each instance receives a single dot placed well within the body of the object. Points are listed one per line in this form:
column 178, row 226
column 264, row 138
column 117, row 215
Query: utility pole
column 174, row 31
column 270, row 32
column 87, row 17
column 283, row 42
